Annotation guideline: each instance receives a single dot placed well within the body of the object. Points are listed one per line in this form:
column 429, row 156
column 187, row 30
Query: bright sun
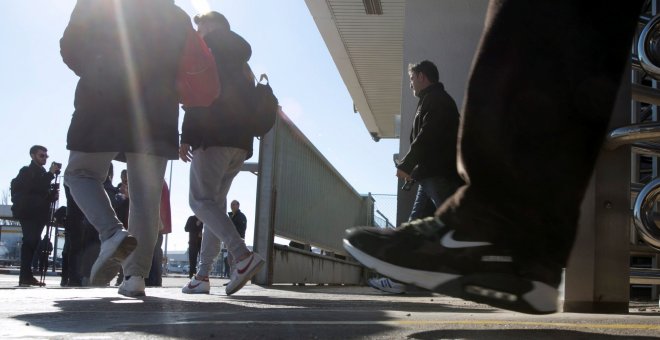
column 201, row 6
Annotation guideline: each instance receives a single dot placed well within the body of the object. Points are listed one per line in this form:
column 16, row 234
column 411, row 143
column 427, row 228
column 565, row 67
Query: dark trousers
column 155, row 278
column 73, row 242
column 538, row 104
column 32, row 229
column 431, row 194
column 194, row 246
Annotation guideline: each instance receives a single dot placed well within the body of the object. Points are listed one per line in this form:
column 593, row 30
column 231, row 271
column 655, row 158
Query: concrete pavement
column 289, row 312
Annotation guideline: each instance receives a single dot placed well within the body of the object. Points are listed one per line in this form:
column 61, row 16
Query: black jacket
column 240, row 222
column 433, row 138
column 191, row 225
column 125, row 104
column 33, row 186
column 225, row 122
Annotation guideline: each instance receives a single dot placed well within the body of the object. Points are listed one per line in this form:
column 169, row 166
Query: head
column 124, row 176
column 422, row 75
column 39, row 154
column 211, row 21
column 235, row 206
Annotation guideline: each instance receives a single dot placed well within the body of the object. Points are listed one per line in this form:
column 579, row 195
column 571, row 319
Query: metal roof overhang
column 368, row 52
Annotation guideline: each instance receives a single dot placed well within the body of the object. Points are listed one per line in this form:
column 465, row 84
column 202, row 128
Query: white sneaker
column 132, row 287
column 386, row 285
column 242, row 271
column 113, row 251
column 197, row 286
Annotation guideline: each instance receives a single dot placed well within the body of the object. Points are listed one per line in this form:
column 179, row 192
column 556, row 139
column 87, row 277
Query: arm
column 73, row 41
column 191, row 132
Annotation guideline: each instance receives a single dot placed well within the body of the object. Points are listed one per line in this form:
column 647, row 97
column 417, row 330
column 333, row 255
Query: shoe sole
column 104, row 270
column 502, row 291
column 130, row 293
column 247, row 277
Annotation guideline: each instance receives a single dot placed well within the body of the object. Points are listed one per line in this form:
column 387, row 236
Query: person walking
column 127, row 55
column 217, row 140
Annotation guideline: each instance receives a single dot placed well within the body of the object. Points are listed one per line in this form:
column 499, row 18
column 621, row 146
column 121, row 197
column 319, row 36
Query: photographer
column 32, row 194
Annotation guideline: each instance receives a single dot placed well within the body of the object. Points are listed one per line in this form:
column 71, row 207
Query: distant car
column 175, row 268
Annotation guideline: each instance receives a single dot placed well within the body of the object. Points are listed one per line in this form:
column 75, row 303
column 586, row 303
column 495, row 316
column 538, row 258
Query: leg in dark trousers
column 194, row 245
column 32, row 230
column 75, row 234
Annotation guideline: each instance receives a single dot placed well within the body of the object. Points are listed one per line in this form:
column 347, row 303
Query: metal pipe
column 644, row 217
column 632, row 134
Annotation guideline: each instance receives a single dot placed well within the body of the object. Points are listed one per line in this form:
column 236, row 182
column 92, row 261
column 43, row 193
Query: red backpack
column 197, row 79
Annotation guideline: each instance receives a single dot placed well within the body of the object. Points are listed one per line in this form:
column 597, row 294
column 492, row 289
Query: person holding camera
column 32, row 194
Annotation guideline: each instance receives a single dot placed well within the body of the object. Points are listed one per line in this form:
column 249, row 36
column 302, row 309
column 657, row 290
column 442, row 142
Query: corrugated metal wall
column 313, row 203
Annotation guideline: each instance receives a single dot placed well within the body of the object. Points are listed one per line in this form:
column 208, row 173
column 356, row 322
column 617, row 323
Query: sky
column 38, row 89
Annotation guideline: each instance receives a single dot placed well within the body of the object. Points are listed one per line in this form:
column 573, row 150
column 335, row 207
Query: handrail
column 631, row 134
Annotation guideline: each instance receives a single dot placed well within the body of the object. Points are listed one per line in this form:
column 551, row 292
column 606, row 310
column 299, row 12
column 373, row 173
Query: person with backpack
column 31, row 196
column 127, row 55
column 218, row 140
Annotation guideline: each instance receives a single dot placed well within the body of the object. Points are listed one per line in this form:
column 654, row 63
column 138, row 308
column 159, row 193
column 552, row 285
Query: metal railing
column 310, row 202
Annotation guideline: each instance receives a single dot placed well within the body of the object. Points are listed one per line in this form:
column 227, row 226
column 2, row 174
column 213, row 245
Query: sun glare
column 201, row 6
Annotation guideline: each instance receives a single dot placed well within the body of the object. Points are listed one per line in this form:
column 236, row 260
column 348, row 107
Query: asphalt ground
column 289, row 312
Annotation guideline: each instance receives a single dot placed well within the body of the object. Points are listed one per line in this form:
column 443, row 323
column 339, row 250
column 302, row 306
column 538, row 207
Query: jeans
column 32, row 229
column 431, row 193
column 538, row 103
column 85, row 175
column 211, row 172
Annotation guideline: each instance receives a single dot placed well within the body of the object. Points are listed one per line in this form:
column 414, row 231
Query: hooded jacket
column 126, row 53
column 225, row 122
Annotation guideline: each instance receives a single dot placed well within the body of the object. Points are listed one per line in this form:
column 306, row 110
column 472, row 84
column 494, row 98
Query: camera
column 59, row 167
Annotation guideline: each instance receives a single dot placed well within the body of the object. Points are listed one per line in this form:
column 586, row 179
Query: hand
column 403, row 175
column 185, row 152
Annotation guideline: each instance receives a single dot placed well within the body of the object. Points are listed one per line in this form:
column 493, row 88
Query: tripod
column 46, row 250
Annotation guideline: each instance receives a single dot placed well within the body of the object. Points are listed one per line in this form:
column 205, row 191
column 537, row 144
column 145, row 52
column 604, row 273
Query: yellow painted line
column 532, row 323
column 559, row 325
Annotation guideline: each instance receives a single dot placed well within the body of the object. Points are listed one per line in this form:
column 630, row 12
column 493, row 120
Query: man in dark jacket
column 32, row 196
column 238, row 218
column 431, row 160
column 220, row 141
column 127, row 55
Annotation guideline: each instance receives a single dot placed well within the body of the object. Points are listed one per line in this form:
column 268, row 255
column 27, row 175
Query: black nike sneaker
column 431, row 255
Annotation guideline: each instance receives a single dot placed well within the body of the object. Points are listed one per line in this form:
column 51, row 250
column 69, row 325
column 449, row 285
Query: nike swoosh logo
column 448, row 241
column 242, row 270
column 192, row 286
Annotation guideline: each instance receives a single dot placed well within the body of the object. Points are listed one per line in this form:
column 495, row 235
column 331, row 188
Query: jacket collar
column 430, row 88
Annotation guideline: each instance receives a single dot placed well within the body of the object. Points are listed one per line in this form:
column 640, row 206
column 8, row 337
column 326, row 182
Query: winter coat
column 126, row 98
column 33, row 185
column 225, row 122
column 434, row 135
column 240, row 222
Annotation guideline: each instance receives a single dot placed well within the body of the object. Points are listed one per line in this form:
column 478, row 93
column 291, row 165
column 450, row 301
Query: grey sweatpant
column 85, row 175
column 211, row 173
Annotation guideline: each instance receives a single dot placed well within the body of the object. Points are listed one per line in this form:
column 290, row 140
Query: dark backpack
column 266, row 106
column 17, row 198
